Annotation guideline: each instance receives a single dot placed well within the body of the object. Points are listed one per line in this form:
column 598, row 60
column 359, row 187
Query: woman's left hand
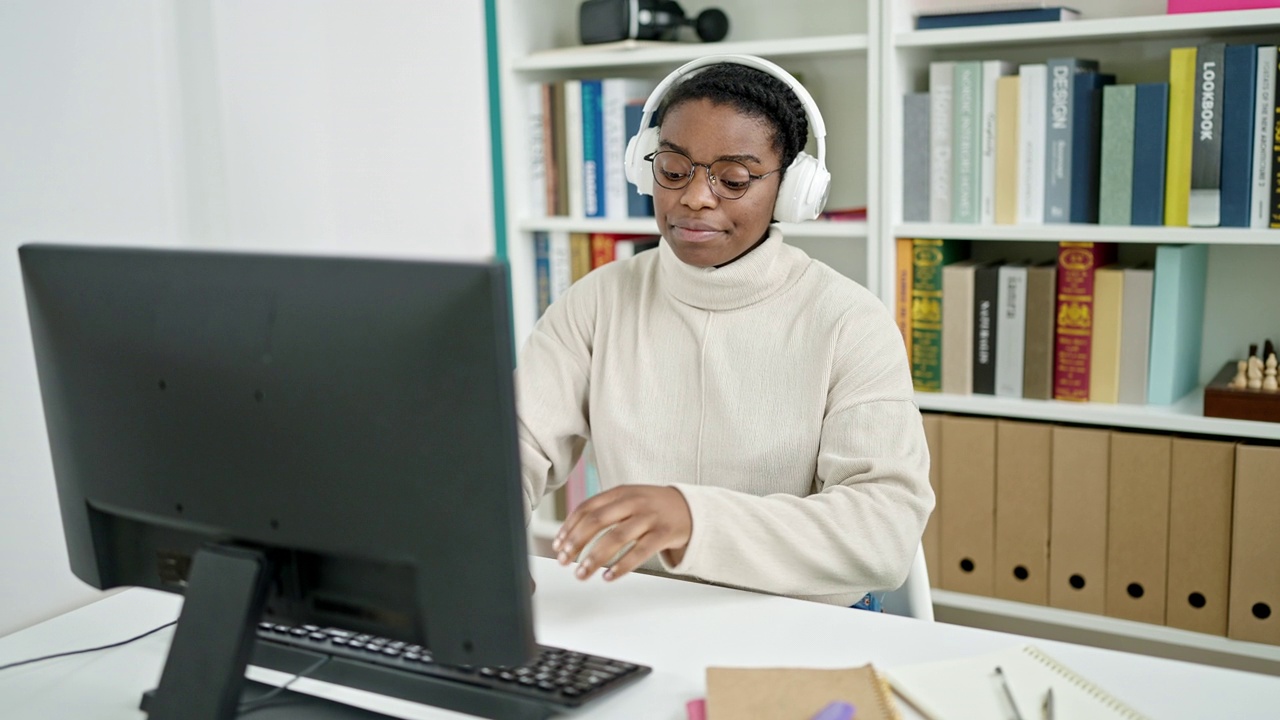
column 654, row 518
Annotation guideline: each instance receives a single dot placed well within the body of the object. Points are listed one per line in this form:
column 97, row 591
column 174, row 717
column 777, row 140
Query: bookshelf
column 858, row 57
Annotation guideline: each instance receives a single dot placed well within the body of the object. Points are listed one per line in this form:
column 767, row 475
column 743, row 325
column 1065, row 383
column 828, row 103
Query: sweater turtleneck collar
column 745, row 281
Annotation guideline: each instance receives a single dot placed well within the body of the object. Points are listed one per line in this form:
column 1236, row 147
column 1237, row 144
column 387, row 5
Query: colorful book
column 941, row 82
column 1060, row 119
column 1150, row 118
column 1104, row 355
column 558, row 167
column 593, row 164
column 996, row 17
column 1135, row 334
column 1182, row 97
column 966, row 142
column 1177, row 322
column 1006, row 175
column 580, row 254
column 1086, row 144
column 1264, row 122
column 986, row 328
column 993, row 71
column 1077, row 264
column 929, row 257
column 1204, row 204
column 902, row 273
column 1031, row 142
column 1115, row 178
column 1042, row 304
column 1011, row 329
column 915, row 157
column 1240, row 74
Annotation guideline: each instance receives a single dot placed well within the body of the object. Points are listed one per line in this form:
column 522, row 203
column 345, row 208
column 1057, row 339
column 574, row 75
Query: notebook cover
column 790, row 693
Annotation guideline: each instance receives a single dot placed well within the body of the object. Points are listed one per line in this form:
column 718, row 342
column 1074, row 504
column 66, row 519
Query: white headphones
column 806, row 182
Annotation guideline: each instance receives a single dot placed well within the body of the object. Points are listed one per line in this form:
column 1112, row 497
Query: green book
column 966, row 134
column 1115, row 194
column 928, row 257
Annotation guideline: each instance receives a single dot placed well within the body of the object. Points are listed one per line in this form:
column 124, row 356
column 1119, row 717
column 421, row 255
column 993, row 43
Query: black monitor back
column 352, row 418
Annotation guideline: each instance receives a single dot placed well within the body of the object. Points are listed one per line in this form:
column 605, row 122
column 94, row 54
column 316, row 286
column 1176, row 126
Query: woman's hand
column 654, row 518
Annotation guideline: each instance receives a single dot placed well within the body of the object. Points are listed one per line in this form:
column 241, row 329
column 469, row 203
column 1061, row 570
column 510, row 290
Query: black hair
column 753, row 92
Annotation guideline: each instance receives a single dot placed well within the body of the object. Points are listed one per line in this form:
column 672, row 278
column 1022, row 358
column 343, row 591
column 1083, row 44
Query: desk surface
column 679, row 628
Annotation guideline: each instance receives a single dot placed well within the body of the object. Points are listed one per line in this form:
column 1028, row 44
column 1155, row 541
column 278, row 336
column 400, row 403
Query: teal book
column 1115, row 194
column 1177, row 322
column 966, row 137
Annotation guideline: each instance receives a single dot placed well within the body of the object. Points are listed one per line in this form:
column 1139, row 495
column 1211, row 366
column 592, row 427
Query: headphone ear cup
column 638, row 171
column 803, row 191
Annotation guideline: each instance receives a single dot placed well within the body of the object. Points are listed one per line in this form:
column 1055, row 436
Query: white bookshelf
column 858, row 57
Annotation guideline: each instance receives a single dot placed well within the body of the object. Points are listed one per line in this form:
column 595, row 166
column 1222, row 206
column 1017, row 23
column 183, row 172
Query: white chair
column 914, row 598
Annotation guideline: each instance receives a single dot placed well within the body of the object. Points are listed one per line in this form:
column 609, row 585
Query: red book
column 1073, row 339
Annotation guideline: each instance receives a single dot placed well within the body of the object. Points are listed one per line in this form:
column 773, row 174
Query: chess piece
column 1255, row 373
column 1269, row 381
column 1239, row 381
column 1267, row 349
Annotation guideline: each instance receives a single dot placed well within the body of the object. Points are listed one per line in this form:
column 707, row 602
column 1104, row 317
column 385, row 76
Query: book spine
column 1115, row 178
column 1177, row 321
column 940, row 103
column 1037, row 366
column 1182, row 99
column 613, row 104
column 915, row 157
column 549, row 97
column 1264, row 122
column 542, row 270
column 561, row 260
column 1135, row 335
column 1006, row 175
column 538, row 124
column 580, row 254
column 1031, row 139
column 1204, row 202
column 957, row 328
column 992, row 71
column 1150, row 145
column 1011, row 325
column 1104, row 355
column 573, row 147
column 1274, row 201
column 903, row 271
column 1059, row 136
column 966, row 134
column 926, row 314
column 1086, row 144
column 638, row 206
column 986, row 331
column 560, row 152
column 601, row 249
column 1240, row 71
column 592, row 150
column 1077, row 262
column 1004, row 17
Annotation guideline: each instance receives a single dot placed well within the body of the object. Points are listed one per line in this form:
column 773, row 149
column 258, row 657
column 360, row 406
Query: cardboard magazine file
column 1078, row 519
column 1200, row 493
column 1254, row 610
column 1024, row 454
column 1138, row 526
column 968, row 505
column 932, row 530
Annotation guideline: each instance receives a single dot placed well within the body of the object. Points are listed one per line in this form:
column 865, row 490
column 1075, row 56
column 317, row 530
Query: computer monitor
column 323, row 440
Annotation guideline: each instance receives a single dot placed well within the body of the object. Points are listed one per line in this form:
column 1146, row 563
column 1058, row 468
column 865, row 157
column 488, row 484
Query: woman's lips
column 693, row 232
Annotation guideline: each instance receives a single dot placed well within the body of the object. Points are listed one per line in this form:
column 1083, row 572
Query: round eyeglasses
column 729, row 179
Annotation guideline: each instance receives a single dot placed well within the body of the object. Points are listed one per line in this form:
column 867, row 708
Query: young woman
column 751, row 409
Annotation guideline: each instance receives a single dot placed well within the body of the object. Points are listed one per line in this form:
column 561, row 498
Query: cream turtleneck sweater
column 773, row 392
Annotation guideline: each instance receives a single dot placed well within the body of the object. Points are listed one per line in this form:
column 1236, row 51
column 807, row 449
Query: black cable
column 88, row 650
column 247, row 707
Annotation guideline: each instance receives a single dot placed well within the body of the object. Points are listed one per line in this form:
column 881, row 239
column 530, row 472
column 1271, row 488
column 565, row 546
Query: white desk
column 676, row 627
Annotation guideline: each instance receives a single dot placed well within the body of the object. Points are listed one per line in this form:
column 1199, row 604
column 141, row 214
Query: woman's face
column 703, row 229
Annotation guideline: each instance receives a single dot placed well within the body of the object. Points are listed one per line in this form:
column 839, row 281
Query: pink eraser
column 696, row 709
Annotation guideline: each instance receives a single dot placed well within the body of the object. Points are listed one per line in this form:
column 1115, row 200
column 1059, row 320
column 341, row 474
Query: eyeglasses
column 729, row 179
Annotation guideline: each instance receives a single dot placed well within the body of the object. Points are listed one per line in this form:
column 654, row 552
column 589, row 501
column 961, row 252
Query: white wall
column 340, row 125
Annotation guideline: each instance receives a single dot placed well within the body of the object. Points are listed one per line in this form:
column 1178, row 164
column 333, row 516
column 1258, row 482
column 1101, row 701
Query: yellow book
column 1182, row 100
column 1104, row 361
column 902, row 273
column 579, row 254
column 1007, row 150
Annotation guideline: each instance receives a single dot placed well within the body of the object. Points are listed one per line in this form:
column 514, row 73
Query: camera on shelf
column 602, row 21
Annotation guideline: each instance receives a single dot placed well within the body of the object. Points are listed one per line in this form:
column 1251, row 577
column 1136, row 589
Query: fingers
column 588, row 520
column 611, row 544
column 644, row 548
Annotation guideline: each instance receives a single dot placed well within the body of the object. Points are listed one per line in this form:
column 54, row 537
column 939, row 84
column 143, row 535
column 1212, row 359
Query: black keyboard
column 561, row 679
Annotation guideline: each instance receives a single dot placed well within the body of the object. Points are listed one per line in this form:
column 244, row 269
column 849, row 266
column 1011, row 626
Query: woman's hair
column 752, row 92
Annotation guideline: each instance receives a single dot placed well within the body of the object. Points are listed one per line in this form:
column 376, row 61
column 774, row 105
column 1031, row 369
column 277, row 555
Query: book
column 637, row 205
column 1264, row 121
column 790, row 693
column 1042, row 303
column 1204, row 202
column 1011, row 327
column 957, row 327
column 1104, row 355
column 540, row 124
column 593, row 164
column 1150, row 116
column 1031, row 143
column 542, row 270
column 1073, row 339
column 1086, row 145
column 1177, row 322
column 1135, row 334
column 929, row 257
column 573, row 152
column 1115, row 178
column 941, row 80
column 902, row 272
column 966, row 141
column 616, row 94
column 1009, row 16
column 1006, row 173
column 915, row 157
column 969, row 688
column 1182, row 97
column 560, row 256
column 1240, row 72
column 558, row 160
column 1060, row 120
column 993, row 71
column 986, row 328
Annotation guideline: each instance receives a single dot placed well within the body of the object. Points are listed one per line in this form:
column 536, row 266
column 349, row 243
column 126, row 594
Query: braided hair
column 752, row 92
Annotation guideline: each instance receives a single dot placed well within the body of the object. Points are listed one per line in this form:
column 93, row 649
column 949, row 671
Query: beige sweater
column 774, row 393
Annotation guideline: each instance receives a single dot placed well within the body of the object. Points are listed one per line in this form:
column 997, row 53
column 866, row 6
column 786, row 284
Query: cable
column 88, row 650
column 256, row 703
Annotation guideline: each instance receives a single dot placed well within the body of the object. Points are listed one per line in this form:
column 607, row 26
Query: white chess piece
column 1269, row 382
column 1239, row 381
column 1255, row 373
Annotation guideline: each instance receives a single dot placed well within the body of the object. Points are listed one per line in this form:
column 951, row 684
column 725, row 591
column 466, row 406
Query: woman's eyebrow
column 739, row 158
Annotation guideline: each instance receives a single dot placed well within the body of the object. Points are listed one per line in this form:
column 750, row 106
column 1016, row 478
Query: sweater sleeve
column 860, row 531
column 552, row 384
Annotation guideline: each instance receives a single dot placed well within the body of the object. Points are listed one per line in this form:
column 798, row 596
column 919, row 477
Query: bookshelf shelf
column 1181, row 417
column 637, row 54
column 1091, row 233
column 1096, row 30
column 1100, row 631
column 829, row 229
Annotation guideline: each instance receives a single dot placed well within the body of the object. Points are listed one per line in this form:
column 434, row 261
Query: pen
column 1048, row 705
column 1008, row 693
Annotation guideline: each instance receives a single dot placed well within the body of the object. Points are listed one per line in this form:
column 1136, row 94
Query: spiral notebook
column 970, row 688
column 796, row 693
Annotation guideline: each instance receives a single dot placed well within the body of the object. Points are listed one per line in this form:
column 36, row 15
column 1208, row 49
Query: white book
column 560, row 260
column 615, row 93
column 537, row 151
column 941, row 80
column 1031, row 137
column 1135, row 334
column 992, row 71
column 1011, row 329
column 1263, row 128
column 573, row 146
column 623, row 249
